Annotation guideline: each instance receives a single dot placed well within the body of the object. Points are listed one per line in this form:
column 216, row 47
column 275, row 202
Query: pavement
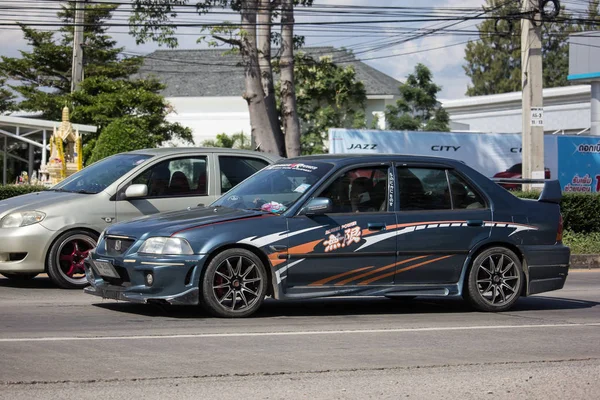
column 63, row 344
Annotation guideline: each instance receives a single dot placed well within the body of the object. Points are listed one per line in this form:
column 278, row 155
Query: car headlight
column 18, row 219
column 166, row 246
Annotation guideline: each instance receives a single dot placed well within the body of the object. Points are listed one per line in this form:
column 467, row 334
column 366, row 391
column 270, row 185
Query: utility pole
column 531, row 78
column 77, row 66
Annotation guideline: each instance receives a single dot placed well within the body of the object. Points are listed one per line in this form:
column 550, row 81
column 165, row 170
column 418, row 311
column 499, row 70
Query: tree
column 494, row 61
column 103, row 102
column 6, row 97
column 328, row 96
column 252, row 38
column 235, row 141
column 289, row 114
column 107, row 93
column 418, row 109
column 122, row 134
column 43, row 74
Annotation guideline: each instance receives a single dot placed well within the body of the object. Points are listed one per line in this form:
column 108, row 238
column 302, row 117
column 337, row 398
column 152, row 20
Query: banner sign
column 489, row 153
column 579, row 160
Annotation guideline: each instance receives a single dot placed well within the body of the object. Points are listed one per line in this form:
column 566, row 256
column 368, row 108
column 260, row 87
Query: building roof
column 9, row 122
column 497, row 102
column 216, row 73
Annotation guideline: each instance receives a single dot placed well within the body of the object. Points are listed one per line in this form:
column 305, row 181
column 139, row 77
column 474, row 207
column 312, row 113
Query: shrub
column 122, row 135
column 582, row 243
column 17, row 190
column 581, row 212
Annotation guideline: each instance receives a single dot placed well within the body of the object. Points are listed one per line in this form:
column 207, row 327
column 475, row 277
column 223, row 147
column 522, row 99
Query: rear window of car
column 435, row 189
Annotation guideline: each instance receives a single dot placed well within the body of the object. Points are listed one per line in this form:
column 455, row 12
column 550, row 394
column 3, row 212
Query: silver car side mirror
column 135, row 191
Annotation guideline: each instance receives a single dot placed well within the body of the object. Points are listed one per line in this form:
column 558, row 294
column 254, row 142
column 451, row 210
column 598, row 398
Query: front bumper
column 175, row 280
column 27, row 245
column 547, row 267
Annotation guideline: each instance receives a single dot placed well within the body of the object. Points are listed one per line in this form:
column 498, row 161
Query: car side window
column 236, row 169
column 359, row 190
column 463, row 195
column 423, row 189
column 178, row 177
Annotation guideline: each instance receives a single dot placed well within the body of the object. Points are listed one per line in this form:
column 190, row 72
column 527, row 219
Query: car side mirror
column 135, row 191
column 318, row 206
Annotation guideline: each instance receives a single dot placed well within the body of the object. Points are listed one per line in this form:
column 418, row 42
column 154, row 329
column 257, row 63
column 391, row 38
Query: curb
column 585, row 261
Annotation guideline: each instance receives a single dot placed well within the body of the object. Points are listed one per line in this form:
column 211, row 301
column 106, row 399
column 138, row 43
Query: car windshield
column 100, row 175
column 275, row 188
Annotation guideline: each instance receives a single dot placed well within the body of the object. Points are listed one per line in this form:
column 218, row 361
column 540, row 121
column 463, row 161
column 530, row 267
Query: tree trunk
column 291, row 123
column 263, row 31
column 254, row 95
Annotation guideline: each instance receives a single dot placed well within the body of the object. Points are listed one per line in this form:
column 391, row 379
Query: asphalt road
column 64, row 344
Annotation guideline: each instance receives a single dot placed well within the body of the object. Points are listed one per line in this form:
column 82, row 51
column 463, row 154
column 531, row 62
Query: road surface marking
column 297, row 333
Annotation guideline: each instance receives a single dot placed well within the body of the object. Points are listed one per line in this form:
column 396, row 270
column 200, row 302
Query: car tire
column 234, row 284
column 17, row 277
column 65, row 258
column 494, row 281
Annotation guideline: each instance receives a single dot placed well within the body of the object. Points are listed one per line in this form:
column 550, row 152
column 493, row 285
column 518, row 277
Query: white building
column 205, row 87
column 566, row 111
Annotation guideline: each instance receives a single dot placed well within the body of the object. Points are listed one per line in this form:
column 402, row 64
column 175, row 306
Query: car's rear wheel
column 20, row 277
column 65, row 259
column 234, row 284
column 495, row 280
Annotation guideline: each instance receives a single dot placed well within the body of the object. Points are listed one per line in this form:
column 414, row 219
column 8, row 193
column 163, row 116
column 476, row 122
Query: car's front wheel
column 65, row 258
column 495, row 280
column 234, row 284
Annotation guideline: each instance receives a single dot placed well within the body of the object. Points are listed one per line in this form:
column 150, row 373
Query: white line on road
column 296, row 333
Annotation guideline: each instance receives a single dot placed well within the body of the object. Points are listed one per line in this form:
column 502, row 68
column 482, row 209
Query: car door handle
column 474, row 222
column 376, row 226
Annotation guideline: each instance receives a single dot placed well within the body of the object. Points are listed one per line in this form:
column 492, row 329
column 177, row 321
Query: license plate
column 105, row 268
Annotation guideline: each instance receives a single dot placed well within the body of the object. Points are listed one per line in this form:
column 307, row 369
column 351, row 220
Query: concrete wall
column 209, row 116
column 566, row 109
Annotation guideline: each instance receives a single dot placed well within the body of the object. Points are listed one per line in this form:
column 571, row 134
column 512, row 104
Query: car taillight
column 559, row 233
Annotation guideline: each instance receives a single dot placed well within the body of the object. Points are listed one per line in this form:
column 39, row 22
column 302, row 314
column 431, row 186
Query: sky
column 373, row 42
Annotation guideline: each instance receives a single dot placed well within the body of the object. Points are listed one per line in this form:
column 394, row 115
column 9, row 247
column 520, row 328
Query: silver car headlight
column 166, row 246
column 18, row 219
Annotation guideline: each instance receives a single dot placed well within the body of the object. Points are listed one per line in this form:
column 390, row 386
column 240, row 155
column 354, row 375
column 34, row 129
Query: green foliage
column 123, row 134
column 581, row 212
column 582, row 243
column 235, row 141
column 106, row 94
column 6, row 97
column 327, row 96
column 494, row 61
column 9, row 191
column 418, row 109
column 44, row 73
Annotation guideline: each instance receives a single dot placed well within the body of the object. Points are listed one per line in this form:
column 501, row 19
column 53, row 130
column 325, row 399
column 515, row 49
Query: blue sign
column 579, row 164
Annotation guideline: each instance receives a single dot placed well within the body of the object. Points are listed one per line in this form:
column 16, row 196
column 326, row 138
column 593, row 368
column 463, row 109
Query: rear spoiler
column 551, row 193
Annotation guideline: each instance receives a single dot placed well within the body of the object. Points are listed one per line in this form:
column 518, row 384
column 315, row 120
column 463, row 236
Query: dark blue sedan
column 369, row 225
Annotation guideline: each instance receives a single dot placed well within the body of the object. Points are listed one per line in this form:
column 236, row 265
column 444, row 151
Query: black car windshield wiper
column 83, row 191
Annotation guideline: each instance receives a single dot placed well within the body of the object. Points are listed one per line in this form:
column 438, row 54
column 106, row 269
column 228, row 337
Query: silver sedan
column 53, row 231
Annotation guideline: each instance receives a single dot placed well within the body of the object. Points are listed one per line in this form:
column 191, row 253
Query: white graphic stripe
column 282, row 270
column 274, row 237
column 371, row 240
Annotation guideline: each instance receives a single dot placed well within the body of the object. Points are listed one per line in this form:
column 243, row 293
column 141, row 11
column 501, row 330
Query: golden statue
column 65, row 151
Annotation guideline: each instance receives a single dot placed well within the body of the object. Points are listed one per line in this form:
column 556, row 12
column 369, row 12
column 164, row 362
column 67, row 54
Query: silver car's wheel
column 65, row 260
column 234, row 284
column 495, row 280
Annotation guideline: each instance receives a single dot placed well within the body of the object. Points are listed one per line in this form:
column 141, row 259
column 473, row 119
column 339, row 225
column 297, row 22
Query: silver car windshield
column 274, row 188
column 101, row 174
